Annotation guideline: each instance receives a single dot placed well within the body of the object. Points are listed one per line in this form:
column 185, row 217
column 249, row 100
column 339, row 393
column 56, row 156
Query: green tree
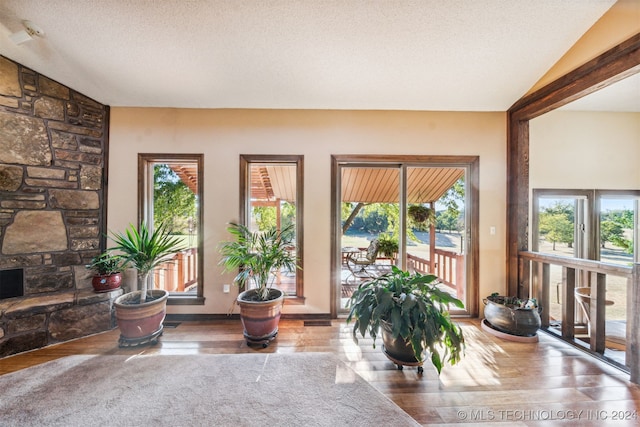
column 174, row 204
column 556, row 227
column 447, row 220
column 613, row 226
column 453, row 198
column 266, row 216
column 610, row 231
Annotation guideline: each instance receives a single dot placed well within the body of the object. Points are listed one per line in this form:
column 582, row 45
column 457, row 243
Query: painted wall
column 617, row 25
column 585, row 150
column 222, row 135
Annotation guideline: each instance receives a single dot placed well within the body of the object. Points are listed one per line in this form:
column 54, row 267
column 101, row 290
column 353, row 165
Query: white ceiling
column 458, row 55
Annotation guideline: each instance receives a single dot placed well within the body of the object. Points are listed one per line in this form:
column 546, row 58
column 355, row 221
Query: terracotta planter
column 515, row 321
column 106, row 282
column 398, row 350
column 140, row 323
column 260, row 318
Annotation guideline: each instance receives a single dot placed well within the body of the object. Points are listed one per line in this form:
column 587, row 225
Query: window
column 170, row 192
column 271, row 188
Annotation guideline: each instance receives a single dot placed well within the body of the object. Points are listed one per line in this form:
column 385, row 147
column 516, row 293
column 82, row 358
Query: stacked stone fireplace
column 53, row 147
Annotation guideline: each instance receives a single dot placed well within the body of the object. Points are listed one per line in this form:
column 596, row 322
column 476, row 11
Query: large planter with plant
column 107, row 269
column 258, row 256
column 140, row 313
column 512, row 315
column 414, row 317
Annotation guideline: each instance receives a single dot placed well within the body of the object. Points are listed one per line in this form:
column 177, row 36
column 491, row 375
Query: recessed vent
column 11, row 283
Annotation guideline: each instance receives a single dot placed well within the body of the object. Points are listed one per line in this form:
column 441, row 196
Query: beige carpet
column 300, row 389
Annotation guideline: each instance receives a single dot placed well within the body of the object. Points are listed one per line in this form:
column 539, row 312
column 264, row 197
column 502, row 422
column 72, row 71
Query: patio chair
column 362, row 264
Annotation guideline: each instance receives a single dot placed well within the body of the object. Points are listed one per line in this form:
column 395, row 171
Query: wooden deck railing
column 534, row 274
column 179, row 273
column 448, row 266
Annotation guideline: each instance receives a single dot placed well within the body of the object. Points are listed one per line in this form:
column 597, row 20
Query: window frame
column 244, row 209
column 145, row 161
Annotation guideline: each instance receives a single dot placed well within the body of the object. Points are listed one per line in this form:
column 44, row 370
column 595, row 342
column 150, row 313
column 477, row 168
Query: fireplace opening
column 11, row 283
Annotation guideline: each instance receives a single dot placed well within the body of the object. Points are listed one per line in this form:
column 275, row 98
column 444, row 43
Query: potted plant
column 414, row 317
column 422, row 216
column 140, row 313
column 512, row 315
column 258, row 256
column 107, row 268
column 388, row 246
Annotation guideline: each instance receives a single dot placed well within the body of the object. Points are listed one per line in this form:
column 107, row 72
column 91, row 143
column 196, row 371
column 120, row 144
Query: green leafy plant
column 258, row 255
column 387, row 245
column 416, row 310
column 106, row 263
column 144, row 250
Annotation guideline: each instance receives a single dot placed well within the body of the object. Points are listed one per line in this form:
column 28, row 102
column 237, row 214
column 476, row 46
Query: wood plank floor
column 497, row 382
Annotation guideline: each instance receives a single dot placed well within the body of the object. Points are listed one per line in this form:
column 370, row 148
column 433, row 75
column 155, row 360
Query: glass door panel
column 435, row 225
column 370, row 224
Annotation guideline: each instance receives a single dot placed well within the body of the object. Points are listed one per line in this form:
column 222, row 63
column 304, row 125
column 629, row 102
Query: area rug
column 259, row 389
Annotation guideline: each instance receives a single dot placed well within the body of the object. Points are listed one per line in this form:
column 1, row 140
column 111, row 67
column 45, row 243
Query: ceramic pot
column 260, row 318
column 397, row 350
column 141, row 323
column 106, row 282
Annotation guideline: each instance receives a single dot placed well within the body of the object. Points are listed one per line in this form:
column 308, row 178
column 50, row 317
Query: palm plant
column 145, row 250
column 414, row 309
column 258, row 255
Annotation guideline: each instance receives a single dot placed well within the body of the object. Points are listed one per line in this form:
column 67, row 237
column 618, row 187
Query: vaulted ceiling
column 473, row 55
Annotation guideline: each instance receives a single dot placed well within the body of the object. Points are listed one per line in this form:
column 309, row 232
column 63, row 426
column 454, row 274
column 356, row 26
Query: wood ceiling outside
column 188, row 173
column 270, row 182
column 381, row 185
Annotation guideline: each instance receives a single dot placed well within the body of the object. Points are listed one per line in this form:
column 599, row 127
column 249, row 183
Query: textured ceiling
column 458, row 55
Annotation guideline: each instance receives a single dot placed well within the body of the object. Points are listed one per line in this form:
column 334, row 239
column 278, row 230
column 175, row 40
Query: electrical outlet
column 226, row 288
column 492, row 230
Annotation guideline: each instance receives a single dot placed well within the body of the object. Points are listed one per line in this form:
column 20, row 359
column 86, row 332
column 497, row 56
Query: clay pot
column 260, row 318
column 106, row 282
column 141, row 323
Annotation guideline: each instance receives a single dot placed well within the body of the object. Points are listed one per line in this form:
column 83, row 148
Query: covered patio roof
column 382, row 185
column 270, row 182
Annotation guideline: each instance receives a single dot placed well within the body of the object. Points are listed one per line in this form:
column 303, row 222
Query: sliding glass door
column 411, row 214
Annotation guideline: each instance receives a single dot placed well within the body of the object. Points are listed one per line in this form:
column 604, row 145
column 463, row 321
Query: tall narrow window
column 170, row 192
column 272, row 189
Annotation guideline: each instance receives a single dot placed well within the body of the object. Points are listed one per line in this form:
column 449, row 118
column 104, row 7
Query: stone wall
column 53, row 144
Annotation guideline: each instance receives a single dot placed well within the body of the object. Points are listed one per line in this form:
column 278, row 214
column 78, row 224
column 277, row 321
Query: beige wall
column 617, row 25
column 585, row 150
column 222, row 135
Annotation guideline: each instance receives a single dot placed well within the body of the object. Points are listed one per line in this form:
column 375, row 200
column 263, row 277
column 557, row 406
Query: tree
column 447, row 220
column 266, row 216
column 556, row 227
column 610, row 231
column 453, row 198
column 613, row 226
column 174, row 204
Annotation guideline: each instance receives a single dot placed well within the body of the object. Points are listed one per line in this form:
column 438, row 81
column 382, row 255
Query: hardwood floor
column 497, row 382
